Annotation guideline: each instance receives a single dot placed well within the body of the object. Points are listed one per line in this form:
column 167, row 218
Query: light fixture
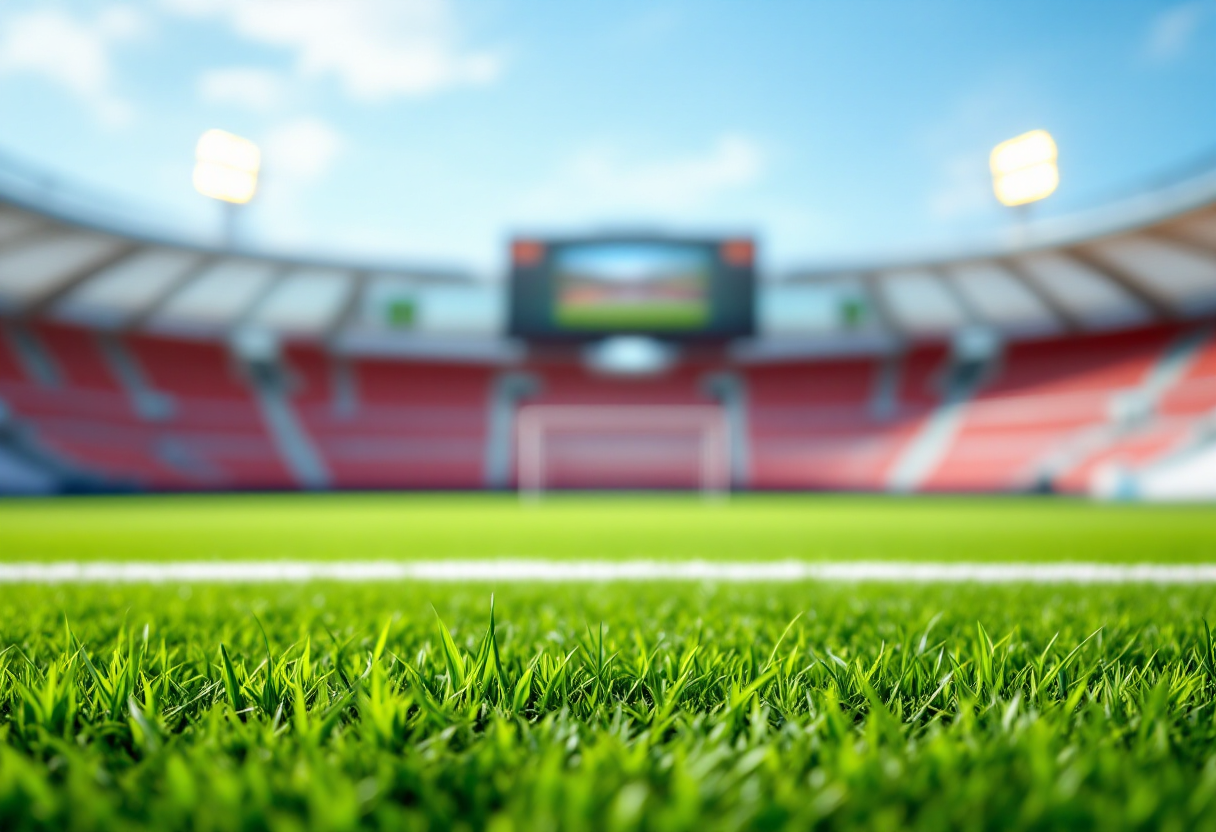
column 1024, row 168
column 226, row 167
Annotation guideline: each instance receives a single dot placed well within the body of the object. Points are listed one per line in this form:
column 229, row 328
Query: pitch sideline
column 514, row 570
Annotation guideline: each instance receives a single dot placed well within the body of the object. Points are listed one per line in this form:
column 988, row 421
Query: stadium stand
column 393, row 424
column 1044, row 395
column 832, row 424
column 658, row 459
column 134, row 364
column 1195, row 393
column 213, row 427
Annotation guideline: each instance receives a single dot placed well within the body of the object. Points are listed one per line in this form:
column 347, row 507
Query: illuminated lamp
column 1024, row 168
column 226, row 167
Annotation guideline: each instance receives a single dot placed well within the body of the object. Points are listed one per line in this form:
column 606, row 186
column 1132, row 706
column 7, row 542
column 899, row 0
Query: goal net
column 622, row 446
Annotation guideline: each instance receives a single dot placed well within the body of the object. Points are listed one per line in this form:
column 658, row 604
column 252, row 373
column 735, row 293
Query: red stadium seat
column 598, row 458
column 814, row 425
column 407, row 425
column 1195, row 393
column 424, row 424
column 1046, row 396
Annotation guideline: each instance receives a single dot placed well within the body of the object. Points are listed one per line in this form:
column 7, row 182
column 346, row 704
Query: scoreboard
column 673, row 289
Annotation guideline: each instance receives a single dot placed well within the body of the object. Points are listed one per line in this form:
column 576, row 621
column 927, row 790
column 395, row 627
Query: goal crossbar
column 536, row 422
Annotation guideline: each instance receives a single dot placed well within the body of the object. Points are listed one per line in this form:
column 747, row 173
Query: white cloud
column 250, row 88
column 121, row 23
column 1172, row 31
column 300, row 150
column 599, row 181
column 72, row 53
column 376, row 48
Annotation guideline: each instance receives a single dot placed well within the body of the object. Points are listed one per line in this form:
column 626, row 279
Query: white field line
column 294, row 571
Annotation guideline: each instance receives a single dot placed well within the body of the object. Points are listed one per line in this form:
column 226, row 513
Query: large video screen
column 675, row 289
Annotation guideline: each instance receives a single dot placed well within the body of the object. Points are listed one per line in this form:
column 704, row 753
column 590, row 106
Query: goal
column 622, row 446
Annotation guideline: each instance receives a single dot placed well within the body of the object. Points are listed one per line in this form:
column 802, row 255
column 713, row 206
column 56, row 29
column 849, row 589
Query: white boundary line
column 294, row 571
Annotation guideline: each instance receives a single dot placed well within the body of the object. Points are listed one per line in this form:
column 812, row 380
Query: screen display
column 678, row 289
column 632, row 286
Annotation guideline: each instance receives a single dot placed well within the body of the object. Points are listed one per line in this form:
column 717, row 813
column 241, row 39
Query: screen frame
column 533, row 287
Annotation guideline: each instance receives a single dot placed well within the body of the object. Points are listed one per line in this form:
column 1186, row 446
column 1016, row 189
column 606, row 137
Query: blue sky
column 633, row 263
column 430, row 130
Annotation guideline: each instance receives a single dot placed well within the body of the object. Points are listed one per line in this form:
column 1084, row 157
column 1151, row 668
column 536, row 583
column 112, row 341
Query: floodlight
column 1024, row 168
column 226, row 167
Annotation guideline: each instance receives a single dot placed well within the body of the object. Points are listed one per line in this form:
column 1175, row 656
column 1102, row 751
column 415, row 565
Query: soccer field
column 749, row 527
column 630, row 705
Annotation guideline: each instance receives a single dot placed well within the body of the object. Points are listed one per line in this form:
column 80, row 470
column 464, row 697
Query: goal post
column 631, row 444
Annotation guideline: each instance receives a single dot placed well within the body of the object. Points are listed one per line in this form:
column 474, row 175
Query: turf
column 647, row 708
column 649, row 316
column 367, row 527
column 672, row 706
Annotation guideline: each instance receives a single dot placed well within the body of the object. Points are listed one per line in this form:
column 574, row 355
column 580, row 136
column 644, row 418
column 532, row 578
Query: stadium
column 1077, row 360
column 639, row 528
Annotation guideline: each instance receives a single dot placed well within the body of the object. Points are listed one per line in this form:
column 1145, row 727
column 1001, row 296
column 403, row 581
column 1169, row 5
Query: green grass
column 665, row 316
column 642, row 708
column 652, row 707
column 568, row 527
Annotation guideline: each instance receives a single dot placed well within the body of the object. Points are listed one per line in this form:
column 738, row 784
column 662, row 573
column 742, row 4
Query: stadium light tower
column 1024, row 168
column 226, row 169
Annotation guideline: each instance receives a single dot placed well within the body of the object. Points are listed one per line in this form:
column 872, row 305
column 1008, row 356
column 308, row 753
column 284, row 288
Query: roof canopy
column 1149, row 259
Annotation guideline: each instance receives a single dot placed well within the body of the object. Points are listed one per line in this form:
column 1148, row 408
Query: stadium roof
column 1151, row 258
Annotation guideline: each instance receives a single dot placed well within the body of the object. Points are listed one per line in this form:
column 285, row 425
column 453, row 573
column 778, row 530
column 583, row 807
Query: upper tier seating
column 398, row 424
column 77, row 411
column 1050, row 408
column 1195, row 392
column 607, row 457
column 214, row 421
column 211, row 435
column 824, row 425
column 1046, row 397
column 1179, row 413
column 568, row 383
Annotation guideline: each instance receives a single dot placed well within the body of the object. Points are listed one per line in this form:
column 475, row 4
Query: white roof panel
column 16, row 224
column 1086, row 294
column 1181, row 274
column 1001, row 298
column 30, row 271
column 113, row 295
column 305, row 301
column 1199, row 229
column 919, row 302
column 217, row 297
